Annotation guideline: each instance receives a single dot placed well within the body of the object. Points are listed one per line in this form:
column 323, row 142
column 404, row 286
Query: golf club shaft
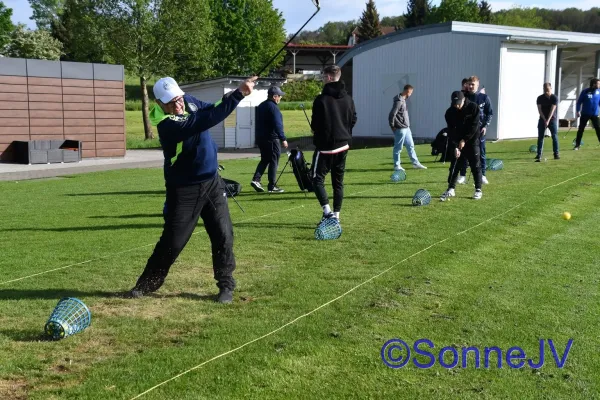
column 288, row 42
column 307, row 120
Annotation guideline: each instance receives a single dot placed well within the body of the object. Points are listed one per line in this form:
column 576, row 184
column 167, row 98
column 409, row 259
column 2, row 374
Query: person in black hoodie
column 333, row 117
column 463, row 126
column 193, row 185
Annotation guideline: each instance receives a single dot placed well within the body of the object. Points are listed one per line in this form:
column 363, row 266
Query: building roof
column 511, row 33
column 232, row 80
column 310, row 46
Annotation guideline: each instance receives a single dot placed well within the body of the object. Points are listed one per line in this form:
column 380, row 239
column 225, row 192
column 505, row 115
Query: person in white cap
column 193, row 185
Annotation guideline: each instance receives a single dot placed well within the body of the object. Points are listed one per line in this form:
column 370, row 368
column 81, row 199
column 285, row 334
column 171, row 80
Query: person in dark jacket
column 588, row 108
column 462, row 119
column 194, row 188
column 333, row 117
column 269, row 131
column 485, row 117
column 547, row 104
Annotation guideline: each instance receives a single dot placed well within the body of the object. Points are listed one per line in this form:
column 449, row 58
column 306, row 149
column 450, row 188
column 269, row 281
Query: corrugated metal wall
column 434, row 65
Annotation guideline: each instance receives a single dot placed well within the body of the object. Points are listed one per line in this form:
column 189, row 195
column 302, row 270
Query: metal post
column 294, row 55
column 598, row 64
column 558, row 78
column 334, row 54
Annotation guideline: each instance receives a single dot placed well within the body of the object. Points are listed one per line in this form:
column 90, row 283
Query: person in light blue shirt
column 588, row 107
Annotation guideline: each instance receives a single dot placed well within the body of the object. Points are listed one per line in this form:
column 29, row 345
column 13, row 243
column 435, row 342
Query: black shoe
column 556, row 156
column 225, row 296
column 134, row 293
column 276, row 189
column 537, row 159
column 327, row 216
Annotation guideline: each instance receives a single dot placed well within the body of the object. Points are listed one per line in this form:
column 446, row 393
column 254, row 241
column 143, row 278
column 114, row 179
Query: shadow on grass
column 26, row 335
column 139, row 192
column 272, row 225
column 131, row 216
column 85, row 228
column 16, row 294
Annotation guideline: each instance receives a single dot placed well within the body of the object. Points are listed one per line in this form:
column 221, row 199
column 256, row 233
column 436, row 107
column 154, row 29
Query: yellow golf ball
column 566, row 215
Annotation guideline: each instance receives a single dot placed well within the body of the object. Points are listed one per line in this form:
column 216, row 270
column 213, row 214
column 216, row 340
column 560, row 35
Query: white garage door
column 244, row 135
column 523, row 75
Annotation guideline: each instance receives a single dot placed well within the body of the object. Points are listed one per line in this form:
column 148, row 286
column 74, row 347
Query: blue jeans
column 553, row 127
column 403, row 137
column 463, row 167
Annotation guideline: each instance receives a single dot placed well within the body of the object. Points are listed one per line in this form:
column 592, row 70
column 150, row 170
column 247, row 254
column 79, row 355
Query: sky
column 296, row 13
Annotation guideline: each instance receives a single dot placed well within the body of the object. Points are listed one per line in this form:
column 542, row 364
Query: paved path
column 133, row 159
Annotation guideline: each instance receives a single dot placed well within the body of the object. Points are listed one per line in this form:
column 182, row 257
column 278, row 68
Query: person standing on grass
column 463, row 128
column 546, row 104
column 194, row 187
column 269, row 129
column 333, row 118
column 588, row 108
column 486, row 112
column 400, row 125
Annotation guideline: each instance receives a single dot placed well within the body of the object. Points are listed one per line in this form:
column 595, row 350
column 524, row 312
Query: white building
column 237, row 131
column 512, row 63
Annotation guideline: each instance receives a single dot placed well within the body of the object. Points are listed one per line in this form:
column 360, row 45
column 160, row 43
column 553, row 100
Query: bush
column 133, row 105
column 301, row 90
column 295, row 105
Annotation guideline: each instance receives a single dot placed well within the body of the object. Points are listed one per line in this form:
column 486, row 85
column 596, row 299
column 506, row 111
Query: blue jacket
column 269, row 121
column 589, row 102
column 485, row 107
column 189, row 150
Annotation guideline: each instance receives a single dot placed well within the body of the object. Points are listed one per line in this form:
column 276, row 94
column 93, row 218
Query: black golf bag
column 232, row 188
column 441, row 146
column 301, row 170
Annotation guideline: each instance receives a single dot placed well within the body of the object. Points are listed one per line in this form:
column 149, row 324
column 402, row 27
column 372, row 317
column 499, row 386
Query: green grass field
column 294, row 122
column 504, row 271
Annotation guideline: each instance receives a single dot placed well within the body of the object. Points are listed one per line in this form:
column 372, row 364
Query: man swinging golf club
column 194, row 188
column 463, row 128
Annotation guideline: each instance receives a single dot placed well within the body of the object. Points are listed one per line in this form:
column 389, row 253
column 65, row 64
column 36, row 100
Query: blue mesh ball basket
column 493, row 164
column 398, row 176
column 533, row 148
column 421, row 198
column 70, row 316
column 328, row 229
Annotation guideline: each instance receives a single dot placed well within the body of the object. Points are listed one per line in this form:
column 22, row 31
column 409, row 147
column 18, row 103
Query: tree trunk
column 145, row 113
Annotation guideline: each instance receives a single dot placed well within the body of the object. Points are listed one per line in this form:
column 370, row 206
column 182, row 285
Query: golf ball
column 566, row 215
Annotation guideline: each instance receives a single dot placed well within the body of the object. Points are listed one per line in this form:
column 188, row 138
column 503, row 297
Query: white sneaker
column 484, row 180
column 447, row 194
column 478, row 194
column 419, row 166
column 398, row 168
column 461, row 180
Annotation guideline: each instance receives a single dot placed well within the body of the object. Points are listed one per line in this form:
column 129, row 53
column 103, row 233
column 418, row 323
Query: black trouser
column 185, row 205
column 471, row 154
column 321, row 165
column 269, row 156
column 583, row 122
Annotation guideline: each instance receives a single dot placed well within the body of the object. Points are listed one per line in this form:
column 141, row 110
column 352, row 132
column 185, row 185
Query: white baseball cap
column 166, row 89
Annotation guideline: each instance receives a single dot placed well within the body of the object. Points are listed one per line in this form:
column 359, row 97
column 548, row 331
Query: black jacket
column 463, row 124
column 333, row 117
column 269, row 122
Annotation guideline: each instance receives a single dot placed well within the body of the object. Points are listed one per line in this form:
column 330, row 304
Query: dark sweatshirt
column 333, row 117
column 463, row 124
column 189, row 150
column 269, row 122
column 398, row 117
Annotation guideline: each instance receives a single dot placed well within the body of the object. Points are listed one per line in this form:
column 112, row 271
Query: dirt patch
column 14, row 389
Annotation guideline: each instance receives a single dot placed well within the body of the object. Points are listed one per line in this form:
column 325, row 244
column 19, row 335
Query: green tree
column 157, row 37
column 485, row 12
column 38, row 44
column 6, row 26
column 250, row 33
column 369, row 26
column 79, row 28
column 519, row 16
column 398, row 22
column 417, row 13
column 46, row 12
column 455, row 10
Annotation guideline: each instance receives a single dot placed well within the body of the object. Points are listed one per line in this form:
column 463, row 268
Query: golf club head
column 316, row 3
column 302, row 106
